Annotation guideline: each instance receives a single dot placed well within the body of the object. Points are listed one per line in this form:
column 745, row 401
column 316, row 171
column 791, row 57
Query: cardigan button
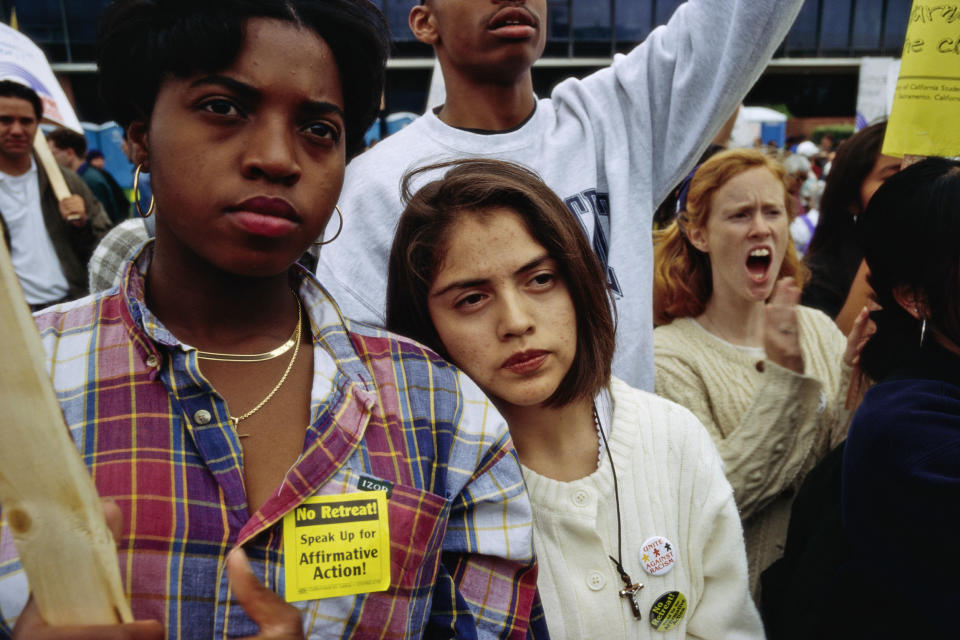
column 596, row 581
column 760, row 366
column 580, row 498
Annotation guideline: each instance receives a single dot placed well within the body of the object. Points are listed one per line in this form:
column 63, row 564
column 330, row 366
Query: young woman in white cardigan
column 635, row 525
column 766, row 376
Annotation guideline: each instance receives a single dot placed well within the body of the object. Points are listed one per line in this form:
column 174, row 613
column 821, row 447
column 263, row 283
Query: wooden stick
column 50, row 166
column 49, row 501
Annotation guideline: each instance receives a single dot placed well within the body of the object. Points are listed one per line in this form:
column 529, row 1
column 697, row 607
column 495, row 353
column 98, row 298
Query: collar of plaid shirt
column 382, row 406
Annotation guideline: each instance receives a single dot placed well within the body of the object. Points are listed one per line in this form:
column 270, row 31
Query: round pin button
column 596, row 581
column 668, row 610
column 657, row 556
column 202, row 417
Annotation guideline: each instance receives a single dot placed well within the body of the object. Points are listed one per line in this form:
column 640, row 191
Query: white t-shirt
column 34, row 259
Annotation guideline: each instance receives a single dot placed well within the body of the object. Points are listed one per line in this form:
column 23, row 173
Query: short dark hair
column 69, row 139
column 142, row 42
column 909, row 235
column 12, row 89
column 474, row 187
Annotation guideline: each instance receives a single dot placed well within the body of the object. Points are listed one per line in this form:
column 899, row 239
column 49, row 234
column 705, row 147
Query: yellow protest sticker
column 668, row 610
column 337, row 545
column 923, row 119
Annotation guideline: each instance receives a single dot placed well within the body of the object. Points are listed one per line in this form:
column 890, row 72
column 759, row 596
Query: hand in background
column 73, row 210
column 861, row 332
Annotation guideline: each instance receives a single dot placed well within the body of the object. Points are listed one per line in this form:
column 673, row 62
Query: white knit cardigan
column 671, row 484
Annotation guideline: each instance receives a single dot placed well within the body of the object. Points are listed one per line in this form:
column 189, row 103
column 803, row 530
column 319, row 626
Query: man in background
column 70, row 150
column 96, row 160
column 50, row 241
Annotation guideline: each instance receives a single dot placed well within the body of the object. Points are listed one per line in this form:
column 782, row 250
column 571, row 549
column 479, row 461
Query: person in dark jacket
column 50, row 240
column 70, row 148
column 901, row 466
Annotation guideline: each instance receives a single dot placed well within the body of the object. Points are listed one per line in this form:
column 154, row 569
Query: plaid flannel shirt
column 114, row 251
column 461, row 554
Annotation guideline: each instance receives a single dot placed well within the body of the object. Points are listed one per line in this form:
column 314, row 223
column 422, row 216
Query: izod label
column 366, row 483
column 337, row 545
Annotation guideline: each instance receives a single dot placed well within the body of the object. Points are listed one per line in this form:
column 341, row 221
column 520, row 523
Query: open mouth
column 758, row 264
column 512, row 22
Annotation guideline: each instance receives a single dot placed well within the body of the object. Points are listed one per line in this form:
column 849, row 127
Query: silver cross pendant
column 632, row 592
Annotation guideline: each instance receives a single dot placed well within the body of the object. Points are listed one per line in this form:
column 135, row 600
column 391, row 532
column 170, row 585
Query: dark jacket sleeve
column 73, row 245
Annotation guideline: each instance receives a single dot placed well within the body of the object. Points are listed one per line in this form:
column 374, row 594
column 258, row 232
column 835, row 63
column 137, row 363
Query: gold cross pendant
column 234, row 422
column 631, row 592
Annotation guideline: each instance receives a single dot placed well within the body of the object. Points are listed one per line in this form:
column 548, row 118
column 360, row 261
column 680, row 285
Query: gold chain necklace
column 256, row 357
column 234, row 421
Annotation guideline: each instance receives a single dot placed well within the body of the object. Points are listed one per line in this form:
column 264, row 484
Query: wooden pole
column 49, row 501
column 50, row 166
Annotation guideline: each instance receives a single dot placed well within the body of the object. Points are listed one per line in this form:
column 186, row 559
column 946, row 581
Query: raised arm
column 676, row 89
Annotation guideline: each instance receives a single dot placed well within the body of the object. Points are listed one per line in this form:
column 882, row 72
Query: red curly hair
column 682, row 280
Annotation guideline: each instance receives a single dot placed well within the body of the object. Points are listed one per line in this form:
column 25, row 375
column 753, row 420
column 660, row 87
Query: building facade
column 814, row 73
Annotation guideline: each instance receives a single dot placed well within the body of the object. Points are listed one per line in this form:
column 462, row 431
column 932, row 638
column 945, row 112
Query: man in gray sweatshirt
column 611, row 145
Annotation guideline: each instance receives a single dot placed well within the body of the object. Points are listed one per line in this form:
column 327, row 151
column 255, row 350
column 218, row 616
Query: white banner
column 23, row 61
column 878, row 80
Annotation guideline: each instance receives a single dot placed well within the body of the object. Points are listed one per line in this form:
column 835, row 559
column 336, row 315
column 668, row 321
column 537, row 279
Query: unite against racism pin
column 658, row 556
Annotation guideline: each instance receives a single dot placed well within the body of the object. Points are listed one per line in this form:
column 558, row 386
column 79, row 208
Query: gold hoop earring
column 136, row 194
column 339, row 228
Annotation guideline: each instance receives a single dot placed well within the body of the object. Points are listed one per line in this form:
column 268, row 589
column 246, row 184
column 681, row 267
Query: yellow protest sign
column 923, row 119
column 337, row 545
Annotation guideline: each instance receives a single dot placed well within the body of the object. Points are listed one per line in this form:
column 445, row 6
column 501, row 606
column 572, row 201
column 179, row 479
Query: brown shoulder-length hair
column 474, row 188
column 682, row 281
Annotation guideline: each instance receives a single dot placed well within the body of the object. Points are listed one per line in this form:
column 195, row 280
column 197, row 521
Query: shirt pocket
column 418, row 523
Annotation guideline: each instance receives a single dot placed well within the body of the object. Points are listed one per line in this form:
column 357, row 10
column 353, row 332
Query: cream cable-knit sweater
column 770, row 424
column 671, row 484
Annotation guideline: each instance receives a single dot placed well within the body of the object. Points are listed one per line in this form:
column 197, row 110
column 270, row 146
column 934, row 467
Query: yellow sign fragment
column 924, row 118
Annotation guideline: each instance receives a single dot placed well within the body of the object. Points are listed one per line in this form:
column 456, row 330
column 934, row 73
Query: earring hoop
column 136, row 194
column 339, row 228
